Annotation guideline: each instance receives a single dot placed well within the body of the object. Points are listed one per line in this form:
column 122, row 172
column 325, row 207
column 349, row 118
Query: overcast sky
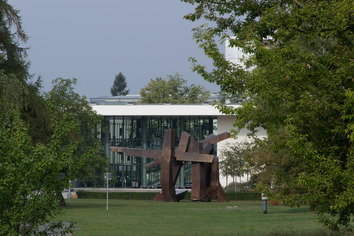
column 94, row 40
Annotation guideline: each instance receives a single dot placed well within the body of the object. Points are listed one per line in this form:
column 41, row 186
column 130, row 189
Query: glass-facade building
column 146, row 132
column 128, row 124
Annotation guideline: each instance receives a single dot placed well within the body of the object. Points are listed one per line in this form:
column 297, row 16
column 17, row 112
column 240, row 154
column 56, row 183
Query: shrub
column 150, row 195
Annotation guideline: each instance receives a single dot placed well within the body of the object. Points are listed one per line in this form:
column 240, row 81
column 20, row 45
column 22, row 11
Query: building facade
column 142, row 126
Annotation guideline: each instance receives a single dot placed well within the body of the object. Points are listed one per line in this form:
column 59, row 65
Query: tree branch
column 298, row 3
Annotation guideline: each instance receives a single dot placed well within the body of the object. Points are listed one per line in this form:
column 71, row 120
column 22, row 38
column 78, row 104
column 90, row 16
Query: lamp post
column 69, row 192
column 107, row 176
column 265, row 199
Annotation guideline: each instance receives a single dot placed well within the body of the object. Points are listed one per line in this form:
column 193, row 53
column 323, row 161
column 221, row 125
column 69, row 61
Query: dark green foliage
column 12, row 56
column 229, row 98
column 248, row 196
column 35, row 113
column 117, row 195
column 13, row 63
column 67, row 105
column 243, row 196
column 45, row 141
column 300, row 91
column 33, row 172
column 119, row 87
column 29, row 171
column 173, row 90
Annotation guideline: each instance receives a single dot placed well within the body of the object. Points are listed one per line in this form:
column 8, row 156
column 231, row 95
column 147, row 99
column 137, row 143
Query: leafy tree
column 33, row 173
column 45, row 141
column 276, row 166
column 89, row 160
column 229, row 98
column 233, row 161
column 29, row 172
column 119, row 87
column 174, row 90
column 301, row 92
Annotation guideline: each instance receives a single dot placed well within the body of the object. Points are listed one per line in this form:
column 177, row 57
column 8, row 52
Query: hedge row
column 243, row 196
column 117, row 195
column 232, row 196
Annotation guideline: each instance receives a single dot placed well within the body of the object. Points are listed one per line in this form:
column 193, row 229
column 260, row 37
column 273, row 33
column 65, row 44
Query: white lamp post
column 107, row 176
column 265, row 199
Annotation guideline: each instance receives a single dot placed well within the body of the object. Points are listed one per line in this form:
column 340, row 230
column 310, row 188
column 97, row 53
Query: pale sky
column 94, row 40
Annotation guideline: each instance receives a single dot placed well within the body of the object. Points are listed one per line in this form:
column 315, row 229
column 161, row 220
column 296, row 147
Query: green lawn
column 139, row 217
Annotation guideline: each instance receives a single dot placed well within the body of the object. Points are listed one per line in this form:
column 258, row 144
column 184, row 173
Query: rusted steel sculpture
column 205, row 169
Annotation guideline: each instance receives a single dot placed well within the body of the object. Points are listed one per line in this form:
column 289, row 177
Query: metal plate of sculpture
column 205, row 167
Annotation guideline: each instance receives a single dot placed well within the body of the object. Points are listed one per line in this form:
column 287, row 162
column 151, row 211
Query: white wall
column 158, row 110
column 225, row 124
column 236, row 55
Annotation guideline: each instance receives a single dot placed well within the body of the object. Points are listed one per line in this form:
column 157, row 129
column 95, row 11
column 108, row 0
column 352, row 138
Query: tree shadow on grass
column 290, row 210
column 318, row 232
column 92, row 204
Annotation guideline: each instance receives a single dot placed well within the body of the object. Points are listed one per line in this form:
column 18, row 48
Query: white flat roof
column 157, row 110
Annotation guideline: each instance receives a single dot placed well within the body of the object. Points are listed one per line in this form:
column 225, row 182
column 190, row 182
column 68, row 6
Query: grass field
column 139, row 217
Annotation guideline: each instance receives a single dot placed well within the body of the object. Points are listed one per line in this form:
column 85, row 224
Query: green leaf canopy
column 300, row 90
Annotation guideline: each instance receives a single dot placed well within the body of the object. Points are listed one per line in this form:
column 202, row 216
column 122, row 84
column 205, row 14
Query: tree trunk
column 240, row 184
column 247, row 182
column 62, row 200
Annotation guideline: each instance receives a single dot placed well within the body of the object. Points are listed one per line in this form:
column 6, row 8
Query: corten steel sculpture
column 205, row 170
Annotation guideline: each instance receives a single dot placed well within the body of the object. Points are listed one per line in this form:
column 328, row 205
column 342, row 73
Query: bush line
column 232, row 196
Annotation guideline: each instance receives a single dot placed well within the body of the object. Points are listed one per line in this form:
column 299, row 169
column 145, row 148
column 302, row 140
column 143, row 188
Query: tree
column 12, row 56
column 119, row 87
column 29, row 172
column 34, row 172
column 13, row 62
column 301, row 92
column 233, row 161
column 88, row 157
column 174, row 90
column 276, row 167
column 229, row 98
column 45, row 140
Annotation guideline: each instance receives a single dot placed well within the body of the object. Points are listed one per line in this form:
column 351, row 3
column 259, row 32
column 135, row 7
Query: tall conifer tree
column 119, row 87
column 12, row 56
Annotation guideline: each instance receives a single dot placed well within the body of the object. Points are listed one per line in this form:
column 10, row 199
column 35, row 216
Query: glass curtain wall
column 147, row 133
